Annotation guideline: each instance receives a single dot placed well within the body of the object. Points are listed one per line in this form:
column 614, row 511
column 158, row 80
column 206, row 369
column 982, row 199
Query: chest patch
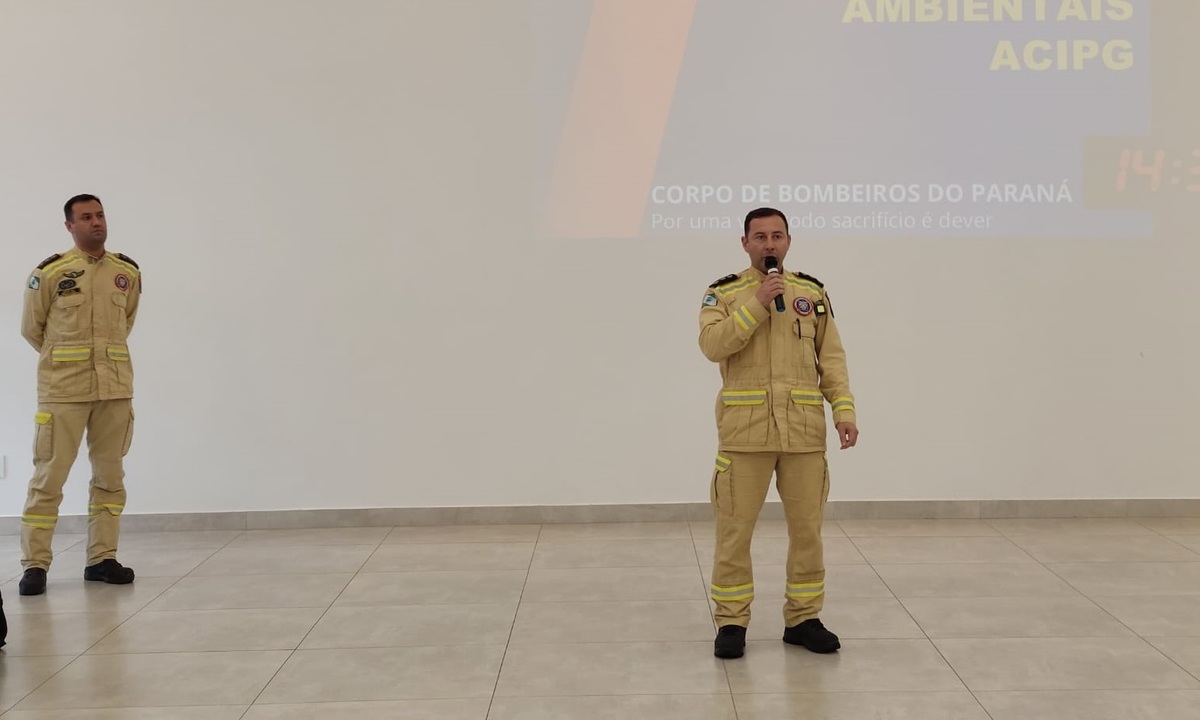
column 803, row 306
column 122, row 282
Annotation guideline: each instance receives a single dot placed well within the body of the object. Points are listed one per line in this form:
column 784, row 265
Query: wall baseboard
column 667, row 512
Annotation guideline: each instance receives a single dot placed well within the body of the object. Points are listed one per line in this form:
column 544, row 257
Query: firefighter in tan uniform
column 778, row 369
column 79, row 308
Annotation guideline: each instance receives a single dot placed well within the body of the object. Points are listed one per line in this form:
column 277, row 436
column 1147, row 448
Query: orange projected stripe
column 618, row 114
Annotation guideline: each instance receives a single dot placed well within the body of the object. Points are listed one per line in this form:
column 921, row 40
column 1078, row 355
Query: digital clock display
column 1139, row 172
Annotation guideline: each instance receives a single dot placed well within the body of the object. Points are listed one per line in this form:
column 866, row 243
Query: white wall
column 344, row 306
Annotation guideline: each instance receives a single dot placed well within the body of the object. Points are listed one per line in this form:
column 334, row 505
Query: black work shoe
column 109, row 571
column 730, row 642
column 812, row 635
column 33, row 582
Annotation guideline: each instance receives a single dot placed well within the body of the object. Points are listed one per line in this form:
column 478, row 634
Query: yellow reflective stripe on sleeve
column 732, row 592
column 744, row 317
column 806, row 590
column 69, row 354
column 118, row 354
column 744, row 397
column 807, row 397
column 723, row 463
column 843, row 403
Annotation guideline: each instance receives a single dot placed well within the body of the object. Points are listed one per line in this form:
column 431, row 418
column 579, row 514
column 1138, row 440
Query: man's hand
column 848, row 434
column 770, row 289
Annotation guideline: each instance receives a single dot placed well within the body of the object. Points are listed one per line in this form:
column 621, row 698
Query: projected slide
column 858, row 118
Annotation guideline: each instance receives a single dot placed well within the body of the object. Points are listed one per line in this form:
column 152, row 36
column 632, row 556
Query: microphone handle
column 778, row 298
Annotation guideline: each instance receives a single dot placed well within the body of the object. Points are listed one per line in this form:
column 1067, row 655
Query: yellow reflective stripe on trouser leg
column 42, row 522
column 731, row 592
column 110, row 508
column 723, row 463
column 806, row 590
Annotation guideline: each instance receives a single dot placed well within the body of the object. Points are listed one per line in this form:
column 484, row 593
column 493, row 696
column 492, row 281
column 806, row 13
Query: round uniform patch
column 122, row 282
column 803, row 306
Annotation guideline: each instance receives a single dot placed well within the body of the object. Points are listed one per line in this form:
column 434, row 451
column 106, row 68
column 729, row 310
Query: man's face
column 768, row 236
column 88, row 226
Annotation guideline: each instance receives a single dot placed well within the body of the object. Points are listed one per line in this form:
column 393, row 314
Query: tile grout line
column 293, row 651
column 512, row 628
column 924, row 632
column 708, row 608
column 118, row 627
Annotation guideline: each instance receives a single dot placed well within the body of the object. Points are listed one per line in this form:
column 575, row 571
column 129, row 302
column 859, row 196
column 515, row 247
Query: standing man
column 781, row 359
column 79, row 308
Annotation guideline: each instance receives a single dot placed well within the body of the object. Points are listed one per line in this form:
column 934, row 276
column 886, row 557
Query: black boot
column 730, row 642
column 109, row 571
column 33, row 582
column 812, row 635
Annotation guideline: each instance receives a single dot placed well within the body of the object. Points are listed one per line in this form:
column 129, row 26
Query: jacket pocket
column 71, row 372
column 806, row 417
column 66, row 313
column 743, row 417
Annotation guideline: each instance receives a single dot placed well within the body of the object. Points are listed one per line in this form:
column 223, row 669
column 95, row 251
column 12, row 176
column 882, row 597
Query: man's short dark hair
column 763, row 212
column 69, row 208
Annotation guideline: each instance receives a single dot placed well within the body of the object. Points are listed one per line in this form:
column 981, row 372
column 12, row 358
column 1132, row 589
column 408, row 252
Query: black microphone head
column 771, row 262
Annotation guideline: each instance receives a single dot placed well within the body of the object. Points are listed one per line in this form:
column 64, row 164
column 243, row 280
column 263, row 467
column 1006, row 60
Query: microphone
column 773, row 267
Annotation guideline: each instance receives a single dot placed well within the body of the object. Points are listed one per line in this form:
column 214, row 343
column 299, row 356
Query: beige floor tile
column 588, row 532
column 1184, row 651
column 412, row 625
column 180, row 540
column 607, row 584
column 58, row 633
column 266, row 591
column 1021, row 580
column 420, row 557
column 1173, row 526
column 606, row 622
column 464, row 534
column 1013, row 618
column 1131, row 579
column 1191, row 542
column 637, row 668
column 627, row 707
column 860, row 706
column 849, row 618
column 616, row 553
column 860, row 666
column 20, row 676
column 920, row 550
column 1063, row 664
column 152, row 680
column 1016, row 527
column 311, row 536
column 285, row 560
column 1156, row 615
column 74, row 595
column 1104, row 548
column 917, row 528
column 399, row 673
column 210, row 631
column 215, row 712
column 477, row 587
column 1092, row 705
column 474, row 709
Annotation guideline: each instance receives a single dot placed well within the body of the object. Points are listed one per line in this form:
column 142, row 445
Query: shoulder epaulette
column 47, row 261
column 724, row 281
column 128, row 259
column 811, row 279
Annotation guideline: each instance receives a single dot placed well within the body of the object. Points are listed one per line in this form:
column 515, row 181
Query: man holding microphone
column 781, row 360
